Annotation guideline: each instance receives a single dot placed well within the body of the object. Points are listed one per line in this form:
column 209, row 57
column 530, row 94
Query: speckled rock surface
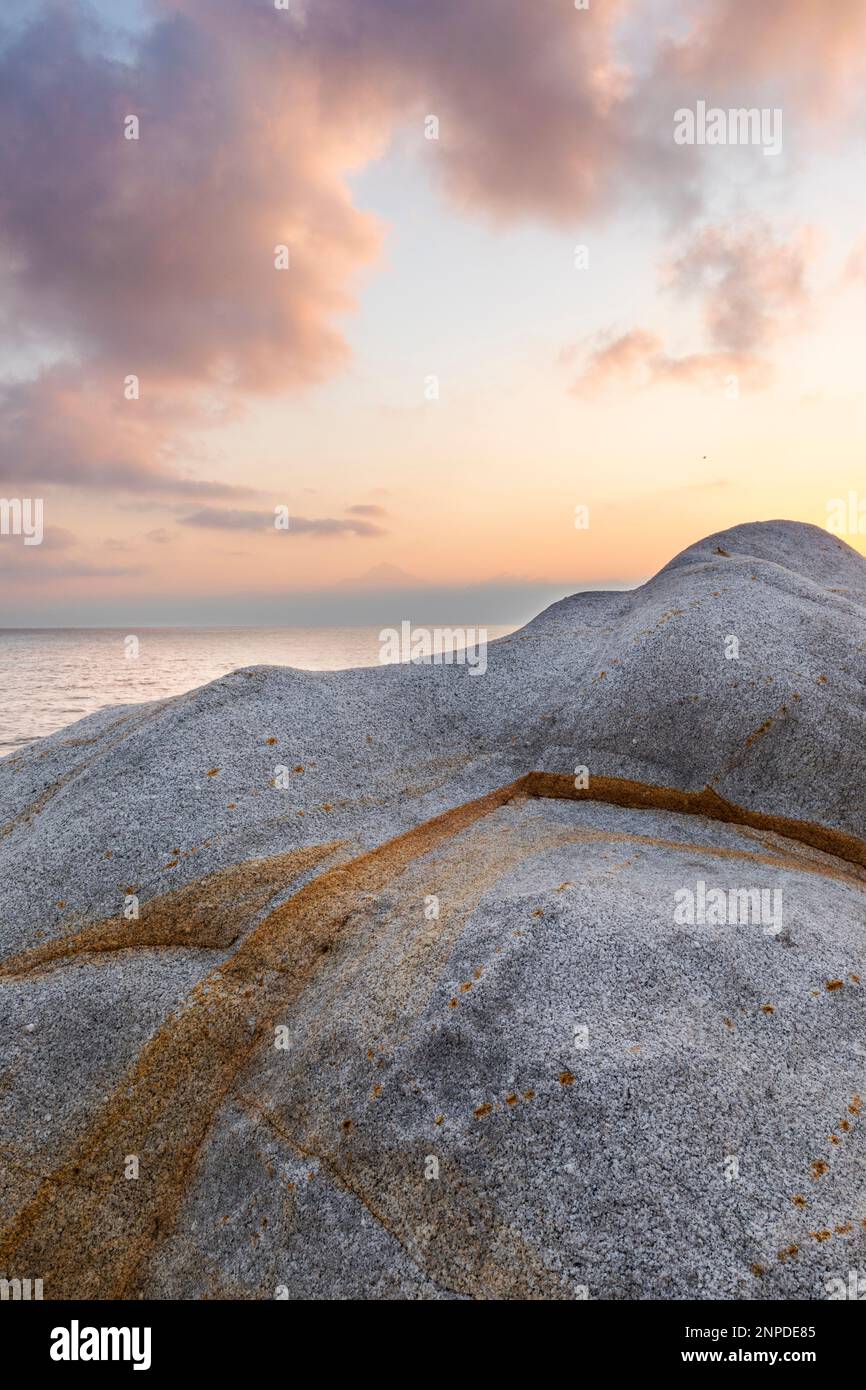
column 398, row 1029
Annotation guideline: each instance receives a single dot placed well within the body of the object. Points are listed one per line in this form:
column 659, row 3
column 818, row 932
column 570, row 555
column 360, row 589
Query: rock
column 419, row 1019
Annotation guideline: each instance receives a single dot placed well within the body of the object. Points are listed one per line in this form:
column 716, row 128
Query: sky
column 520, row 340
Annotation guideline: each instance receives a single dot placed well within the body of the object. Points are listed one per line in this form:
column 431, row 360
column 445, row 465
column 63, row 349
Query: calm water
column 51, row 677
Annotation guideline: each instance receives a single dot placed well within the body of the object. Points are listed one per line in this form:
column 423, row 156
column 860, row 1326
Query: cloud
column 213, row 518
column 155, row 256
column 530, row 99
column 638, row 359
column 70, row 429
column 809, row 53
column 712, row 369
column 752, row 289
column 329, row 526
column 620, row 358
column 30, row 567
column 57, row 538
column 24, row 567
column 753, row 284
column 367, row 509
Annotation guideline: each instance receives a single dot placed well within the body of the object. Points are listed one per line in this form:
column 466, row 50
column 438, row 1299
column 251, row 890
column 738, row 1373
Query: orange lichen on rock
column 621, row 791
column 166, row 1103
column 207, row 913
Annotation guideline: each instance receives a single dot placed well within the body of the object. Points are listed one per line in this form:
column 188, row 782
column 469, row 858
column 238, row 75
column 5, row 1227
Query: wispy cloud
column 752, row 288
column 214, row 518
column 753, row 284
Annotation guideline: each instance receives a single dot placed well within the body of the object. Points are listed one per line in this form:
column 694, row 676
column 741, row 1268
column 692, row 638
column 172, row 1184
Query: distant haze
column 511, row 603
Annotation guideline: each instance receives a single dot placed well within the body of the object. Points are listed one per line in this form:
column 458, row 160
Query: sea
column 50, row 677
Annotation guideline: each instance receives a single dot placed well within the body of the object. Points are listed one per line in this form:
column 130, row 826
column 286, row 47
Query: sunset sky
column 606, row 385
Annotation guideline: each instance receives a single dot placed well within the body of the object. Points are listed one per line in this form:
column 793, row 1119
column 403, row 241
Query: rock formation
column 377, row 981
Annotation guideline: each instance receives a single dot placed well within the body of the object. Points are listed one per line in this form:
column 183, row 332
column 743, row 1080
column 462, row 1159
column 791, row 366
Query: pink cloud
column 753, row 284
column 753, row 289
column 637, row 360
column 623, row 358
column 810, row 53
column 156, row 256
column 76, row 428
column 241, row 519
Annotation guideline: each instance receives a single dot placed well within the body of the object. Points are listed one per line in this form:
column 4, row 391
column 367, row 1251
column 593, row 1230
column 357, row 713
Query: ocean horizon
column 52, row 677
